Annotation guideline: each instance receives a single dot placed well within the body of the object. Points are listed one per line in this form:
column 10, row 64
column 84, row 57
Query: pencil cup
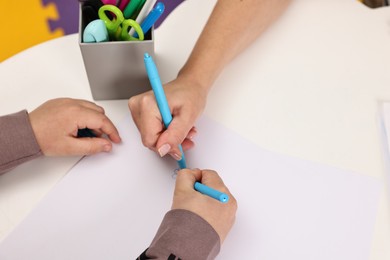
column 115, row 69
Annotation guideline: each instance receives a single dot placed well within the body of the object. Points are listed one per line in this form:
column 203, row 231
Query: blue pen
column 222, row 197
column 151, row 18
column 162, row 104
column 161, row 100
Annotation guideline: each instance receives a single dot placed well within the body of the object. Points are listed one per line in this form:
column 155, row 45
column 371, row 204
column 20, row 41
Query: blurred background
column 29, row 22
column 26, row 23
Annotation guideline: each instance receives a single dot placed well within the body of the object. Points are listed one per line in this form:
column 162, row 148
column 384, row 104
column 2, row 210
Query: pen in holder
column 115, row 69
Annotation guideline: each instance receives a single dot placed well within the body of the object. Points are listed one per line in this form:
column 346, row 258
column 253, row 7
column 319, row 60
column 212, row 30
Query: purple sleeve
column 17, row 141
column 183, row 235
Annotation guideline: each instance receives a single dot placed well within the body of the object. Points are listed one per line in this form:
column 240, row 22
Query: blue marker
column 151, row 18
column 162, row 104
column 161, row 99
column 222, row 197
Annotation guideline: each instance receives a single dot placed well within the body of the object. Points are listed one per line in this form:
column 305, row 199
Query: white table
column 309, row 88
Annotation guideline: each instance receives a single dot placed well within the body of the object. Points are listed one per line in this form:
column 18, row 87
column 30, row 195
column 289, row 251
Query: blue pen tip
column 224, row 198
column 146, row 55
column 160, row 7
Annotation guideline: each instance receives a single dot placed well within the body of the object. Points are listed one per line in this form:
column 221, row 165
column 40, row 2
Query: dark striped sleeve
column 183, row 235
column 144, row 257
column 17, row 141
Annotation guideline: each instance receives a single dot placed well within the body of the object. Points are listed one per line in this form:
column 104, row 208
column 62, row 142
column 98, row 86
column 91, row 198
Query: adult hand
column 186, row 101
column 219, row 215
column 56, row 123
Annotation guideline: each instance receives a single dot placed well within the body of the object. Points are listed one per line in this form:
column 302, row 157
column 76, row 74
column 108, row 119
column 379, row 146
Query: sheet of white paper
column 109, row 206
column 386, row 121
column 386, row 138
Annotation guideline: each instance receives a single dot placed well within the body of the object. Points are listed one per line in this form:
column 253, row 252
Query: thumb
column 170, row 139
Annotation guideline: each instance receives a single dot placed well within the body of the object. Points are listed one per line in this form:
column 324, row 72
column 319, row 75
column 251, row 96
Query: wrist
column 202, row 81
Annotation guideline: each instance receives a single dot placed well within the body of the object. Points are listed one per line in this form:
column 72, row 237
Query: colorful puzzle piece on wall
column 29, row 22
column 68, row 15
column 170, row 5
column 34, row 21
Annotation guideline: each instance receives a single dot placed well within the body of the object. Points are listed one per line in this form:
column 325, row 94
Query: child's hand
column 56, row 123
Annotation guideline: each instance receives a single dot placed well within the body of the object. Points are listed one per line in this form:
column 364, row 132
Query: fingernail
column 192, row 134
column 176, row 156
column 164, row 149
column 107, row 148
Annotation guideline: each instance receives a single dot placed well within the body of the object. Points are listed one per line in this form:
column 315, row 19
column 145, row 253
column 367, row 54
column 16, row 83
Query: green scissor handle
column 126, row 26
column 114, row 25
column 118, row 28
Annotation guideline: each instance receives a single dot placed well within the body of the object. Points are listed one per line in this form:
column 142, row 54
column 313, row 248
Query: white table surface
column 309, row 88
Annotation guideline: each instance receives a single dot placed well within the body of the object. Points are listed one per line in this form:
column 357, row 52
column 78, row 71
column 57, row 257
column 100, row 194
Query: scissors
column 118, row 28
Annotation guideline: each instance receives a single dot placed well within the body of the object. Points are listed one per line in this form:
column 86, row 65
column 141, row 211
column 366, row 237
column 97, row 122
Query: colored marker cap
column 95, row 31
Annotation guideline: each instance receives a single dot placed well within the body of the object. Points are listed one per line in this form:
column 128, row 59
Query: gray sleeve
column 185, row 235
column 17, row 141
